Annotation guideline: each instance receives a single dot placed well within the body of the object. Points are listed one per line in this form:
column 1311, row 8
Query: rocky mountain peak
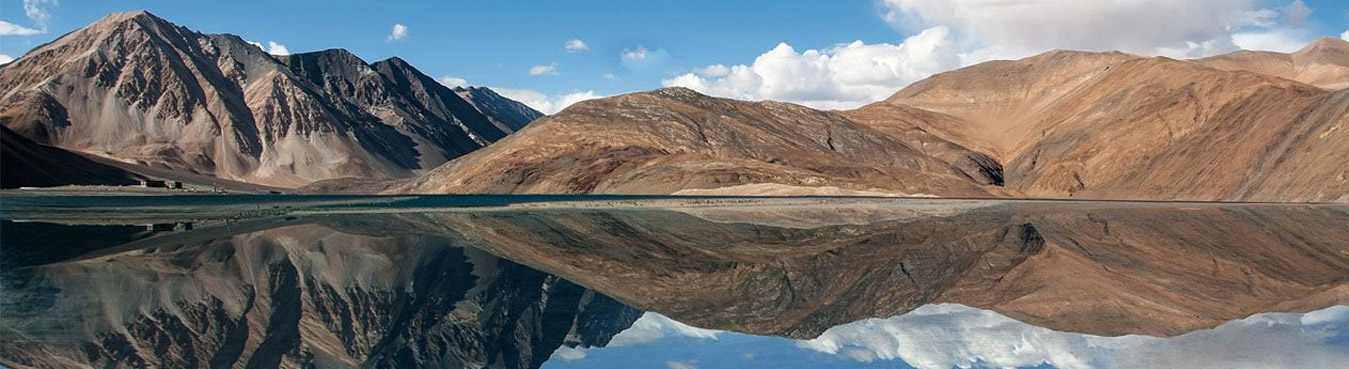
column 138, row 88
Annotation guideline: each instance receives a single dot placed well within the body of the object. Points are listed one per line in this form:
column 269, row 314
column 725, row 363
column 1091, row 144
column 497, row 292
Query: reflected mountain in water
column 507, row 286
column 297, row 295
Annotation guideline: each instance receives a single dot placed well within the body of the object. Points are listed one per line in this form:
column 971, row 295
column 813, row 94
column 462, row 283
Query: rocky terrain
column 297, row 295
column 139, row 89
column 795, row 271
column 1112, row 125
column 675, row 139
column 1064, row 124
column 1244, row 126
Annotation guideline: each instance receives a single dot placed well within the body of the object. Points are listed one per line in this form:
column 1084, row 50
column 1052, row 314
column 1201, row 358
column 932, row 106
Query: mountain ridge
column 136, row 87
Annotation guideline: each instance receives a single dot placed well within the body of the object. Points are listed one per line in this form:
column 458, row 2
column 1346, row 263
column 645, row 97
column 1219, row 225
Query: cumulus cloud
column 634, row 54
column 277, row 49
column 36, row 10
column 452, row 81
column 11, row 29
column 1280, row 40
column 652, row 327
column 272, row 48
column 946, row 336
column 1345, row 36
column 576, row 45
column 399, row 33
column 538, row 70
column 947, row 34
column 842, row 76
column 5, row 59
column 548, row 104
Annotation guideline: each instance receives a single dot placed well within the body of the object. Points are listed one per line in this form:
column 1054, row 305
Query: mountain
column 28, row 164
column 509, row 114
column 1324, row 63
column 795, row 268
column 301, row 295
column 675, row 139
column 1116, row 126
column 137, row 88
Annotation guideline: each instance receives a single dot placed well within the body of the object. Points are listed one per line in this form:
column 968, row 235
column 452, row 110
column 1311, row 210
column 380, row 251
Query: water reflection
column 924, row 284
column 950, row 336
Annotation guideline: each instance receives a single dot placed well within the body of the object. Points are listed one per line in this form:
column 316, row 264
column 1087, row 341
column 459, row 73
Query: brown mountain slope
column 24, row 163
column 135, row 87
column 1070, row 124
column 1324, row 63
column 675, row 139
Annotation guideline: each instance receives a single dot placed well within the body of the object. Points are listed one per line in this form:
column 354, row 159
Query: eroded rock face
column 135, row 87
column 676, row 139
column 297, row 296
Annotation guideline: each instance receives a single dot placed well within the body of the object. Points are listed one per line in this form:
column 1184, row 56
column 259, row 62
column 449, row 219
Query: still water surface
column 670, row 283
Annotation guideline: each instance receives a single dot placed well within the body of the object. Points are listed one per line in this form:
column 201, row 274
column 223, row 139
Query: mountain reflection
column 933, row 284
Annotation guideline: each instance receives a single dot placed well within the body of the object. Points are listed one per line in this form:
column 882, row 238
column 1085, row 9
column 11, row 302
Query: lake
column 669, row 282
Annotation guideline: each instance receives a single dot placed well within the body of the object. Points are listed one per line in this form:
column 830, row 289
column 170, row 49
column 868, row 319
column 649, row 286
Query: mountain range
column 139, row 89
column 1243, row 126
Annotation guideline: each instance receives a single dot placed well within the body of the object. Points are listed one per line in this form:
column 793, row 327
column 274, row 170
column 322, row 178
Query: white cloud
column 955, row 33
column 681, row 364
column 652, row 327
column 11, row 29
column 542, row 69
column 1296, row 13
column 635, row 54
column 36, row 11
column 1345, row 36
column 277, row 49
column 272, row 48
column 842, row 76
column 641, row 58
column 1280, row 40
column 946, row 336
column 452, row 81
column 1025, row 28
column 5, row 59
column 400, row 33
column 613, row 77
column 544, row 102
column 576, row 45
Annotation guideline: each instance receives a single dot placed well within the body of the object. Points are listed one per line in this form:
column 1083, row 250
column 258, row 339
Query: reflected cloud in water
column 955, row 336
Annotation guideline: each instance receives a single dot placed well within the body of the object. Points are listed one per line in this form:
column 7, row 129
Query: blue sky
column 699, row 43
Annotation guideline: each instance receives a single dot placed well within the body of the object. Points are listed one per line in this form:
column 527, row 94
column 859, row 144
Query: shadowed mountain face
column 443, row 289
column 28, row 164
column 138, row 88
